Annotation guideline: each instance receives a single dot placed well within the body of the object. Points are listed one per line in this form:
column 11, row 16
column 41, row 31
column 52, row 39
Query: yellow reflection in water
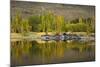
column 46, row 51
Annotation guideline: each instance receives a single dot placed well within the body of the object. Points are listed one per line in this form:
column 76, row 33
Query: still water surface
column 32, row 52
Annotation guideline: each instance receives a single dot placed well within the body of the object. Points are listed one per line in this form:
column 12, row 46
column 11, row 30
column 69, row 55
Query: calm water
column 32, row 52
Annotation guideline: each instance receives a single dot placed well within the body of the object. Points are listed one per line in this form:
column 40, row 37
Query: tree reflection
column 45, row 52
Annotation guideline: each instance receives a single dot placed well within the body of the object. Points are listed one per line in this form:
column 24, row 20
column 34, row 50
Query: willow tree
column 80, row 20
column 34, row 22
column 59, row 23
column 25, row 27
column 15, row 23
column 89, row 23
column 19, row 25
column 46, row 22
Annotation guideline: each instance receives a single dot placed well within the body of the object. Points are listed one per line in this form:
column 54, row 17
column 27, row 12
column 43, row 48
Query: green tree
column 19, row 25
column 25, row 27
column 16, row 22
column 59, row 24
column 46, row 22
column 34, row 22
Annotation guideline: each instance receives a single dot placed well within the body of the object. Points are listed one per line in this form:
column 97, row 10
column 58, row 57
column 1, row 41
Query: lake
column 35, row 52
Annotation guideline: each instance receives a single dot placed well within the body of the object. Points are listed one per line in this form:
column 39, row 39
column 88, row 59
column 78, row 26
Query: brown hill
column 67, row 10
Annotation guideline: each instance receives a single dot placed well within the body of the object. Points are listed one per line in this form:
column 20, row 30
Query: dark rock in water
column 60, row 37
column 76, row 37
column 46, row 37
column 57, row 37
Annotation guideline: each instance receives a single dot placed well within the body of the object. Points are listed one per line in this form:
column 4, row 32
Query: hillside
column 68, row 11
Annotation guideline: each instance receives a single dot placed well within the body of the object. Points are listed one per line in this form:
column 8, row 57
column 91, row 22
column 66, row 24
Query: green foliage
column 49, row 22
column 59, row 26
column 16, row 23
column 19, row 25
column 34, row 22
column 79, row 27
column 25, row 27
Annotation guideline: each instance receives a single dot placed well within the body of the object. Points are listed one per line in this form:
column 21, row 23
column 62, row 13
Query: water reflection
column 27, row 52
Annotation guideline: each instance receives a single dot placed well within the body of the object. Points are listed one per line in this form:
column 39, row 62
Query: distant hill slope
column 68, row 11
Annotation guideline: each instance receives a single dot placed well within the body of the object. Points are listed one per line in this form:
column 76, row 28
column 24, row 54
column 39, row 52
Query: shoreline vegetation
column 37, row 35
column 47, row 23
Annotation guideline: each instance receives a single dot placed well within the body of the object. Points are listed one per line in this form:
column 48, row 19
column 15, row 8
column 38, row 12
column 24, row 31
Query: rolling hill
column 69, row 11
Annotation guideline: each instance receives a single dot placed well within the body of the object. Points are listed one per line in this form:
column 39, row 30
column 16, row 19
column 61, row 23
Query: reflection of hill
column 69, row 11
